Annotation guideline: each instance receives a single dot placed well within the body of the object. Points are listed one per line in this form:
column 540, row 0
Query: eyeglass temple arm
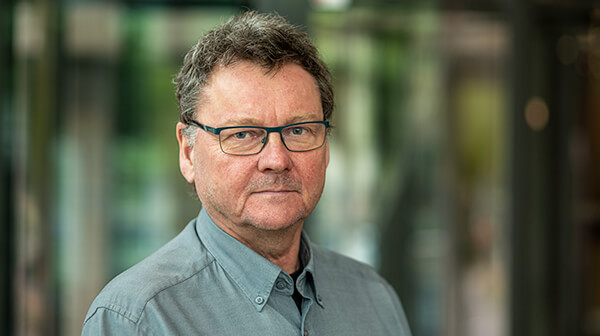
column 206, row 128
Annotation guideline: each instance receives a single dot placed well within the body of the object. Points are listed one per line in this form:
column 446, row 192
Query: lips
column 275, row 191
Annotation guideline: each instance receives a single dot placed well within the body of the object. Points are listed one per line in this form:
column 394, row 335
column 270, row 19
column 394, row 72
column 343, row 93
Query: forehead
column 247, row 91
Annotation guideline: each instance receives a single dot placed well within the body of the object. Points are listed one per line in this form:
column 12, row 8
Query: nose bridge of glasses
column 273, row 130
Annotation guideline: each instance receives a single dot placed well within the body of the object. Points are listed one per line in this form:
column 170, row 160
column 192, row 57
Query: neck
column 285, row 254
column 281, row 247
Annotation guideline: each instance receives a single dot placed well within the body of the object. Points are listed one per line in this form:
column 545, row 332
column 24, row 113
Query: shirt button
column 319, row 298
column 305, row 332
column 280, row 285
column 259, row 300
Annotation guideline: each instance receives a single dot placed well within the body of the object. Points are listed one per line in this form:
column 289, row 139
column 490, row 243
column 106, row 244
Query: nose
column 274, row 156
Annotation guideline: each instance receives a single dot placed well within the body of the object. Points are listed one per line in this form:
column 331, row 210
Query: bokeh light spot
column 537, row 113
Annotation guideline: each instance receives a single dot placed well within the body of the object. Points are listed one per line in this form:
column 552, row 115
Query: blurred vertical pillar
column 519, row 311
column 7, row 192
column 35, row 110
column 89, row 98
column 542, row 230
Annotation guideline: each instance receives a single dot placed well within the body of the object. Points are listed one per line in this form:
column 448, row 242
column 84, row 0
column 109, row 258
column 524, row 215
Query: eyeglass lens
column 245, row 141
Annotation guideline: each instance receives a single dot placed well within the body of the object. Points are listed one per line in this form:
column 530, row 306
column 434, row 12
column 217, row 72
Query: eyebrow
column 249, row 121
column 241, row 122
column 301, row 118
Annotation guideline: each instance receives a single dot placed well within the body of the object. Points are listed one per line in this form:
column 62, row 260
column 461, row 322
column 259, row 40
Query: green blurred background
column 465, row 162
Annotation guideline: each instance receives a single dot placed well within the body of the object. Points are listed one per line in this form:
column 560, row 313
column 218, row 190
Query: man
column 255, row 103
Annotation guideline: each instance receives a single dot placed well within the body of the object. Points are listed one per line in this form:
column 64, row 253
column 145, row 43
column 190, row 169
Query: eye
column 241, row 135
column 298, row 131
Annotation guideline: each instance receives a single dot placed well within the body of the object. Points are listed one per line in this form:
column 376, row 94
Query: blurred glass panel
column 420, row 119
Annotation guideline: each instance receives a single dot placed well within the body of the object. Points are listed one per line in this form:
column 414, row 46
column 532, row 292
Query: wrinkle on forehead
column 243, row 98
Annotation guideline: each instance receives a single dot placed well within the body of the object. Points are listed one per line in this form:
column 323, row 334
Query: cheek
column 218, row 176
column 206, row 171
column 314, row 174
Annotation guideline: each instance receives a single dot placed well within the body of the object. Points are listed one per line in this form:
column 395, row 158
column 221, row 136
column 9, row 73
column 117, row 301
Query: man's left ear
column 327, row 153
column 186, row 164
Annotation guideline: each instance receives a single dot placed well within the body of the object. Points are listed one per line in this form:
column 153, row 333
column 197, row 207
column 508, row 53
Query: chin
column 275, row 221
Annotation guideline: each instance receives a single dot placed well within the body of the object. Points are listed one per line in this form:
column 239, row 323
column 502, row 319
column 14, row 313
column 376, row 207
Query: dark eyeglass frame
column 218, row 130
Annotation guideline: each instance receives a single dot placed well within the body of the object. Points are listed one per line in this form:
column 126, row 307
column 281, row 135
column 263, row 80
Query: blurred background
column 465, row 160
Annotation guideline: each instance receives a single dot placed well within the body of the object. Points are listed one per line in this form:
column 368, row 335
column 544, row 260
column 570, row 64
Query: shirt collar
column 254, row 274
column 306, row 256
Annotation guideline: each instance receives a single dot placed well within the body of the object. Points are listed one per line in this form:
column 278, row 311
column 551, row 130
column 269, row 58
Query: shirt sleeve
column 108, row 322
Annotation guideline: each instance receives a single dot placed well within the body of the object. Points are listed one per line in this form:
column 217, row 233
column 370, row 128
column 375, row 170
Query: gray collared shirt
column 205, row 282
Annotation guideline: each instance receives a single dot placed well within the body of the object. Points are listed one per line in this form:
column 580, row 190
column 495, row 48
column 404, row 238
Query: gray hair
column 264, row 39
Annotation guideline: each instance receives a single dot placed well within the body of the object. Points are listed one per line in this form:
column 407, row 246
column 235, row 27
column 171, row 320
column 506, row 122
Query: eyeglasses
column 249, row 140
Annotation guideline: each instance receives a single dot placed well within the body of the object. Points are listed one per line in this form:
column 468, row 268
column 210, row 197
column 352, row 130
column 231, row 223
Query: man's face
column 275, row 188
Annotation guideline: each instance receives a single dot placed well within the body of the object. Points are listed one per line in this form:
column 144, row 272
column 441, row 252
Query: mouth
column 274, row 192
column 275, row 186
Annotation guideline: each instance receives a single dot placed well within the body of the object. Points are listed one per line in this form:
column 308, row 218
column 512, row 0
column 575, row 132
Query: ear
column 326, row 153
column 186, row 152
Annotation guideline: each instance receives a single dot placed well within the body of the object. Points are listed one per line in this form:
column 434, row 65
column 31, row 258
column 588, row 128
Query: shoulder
column 335, row 264
column 170, row 266
column 343, row 281
column 345, row 276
